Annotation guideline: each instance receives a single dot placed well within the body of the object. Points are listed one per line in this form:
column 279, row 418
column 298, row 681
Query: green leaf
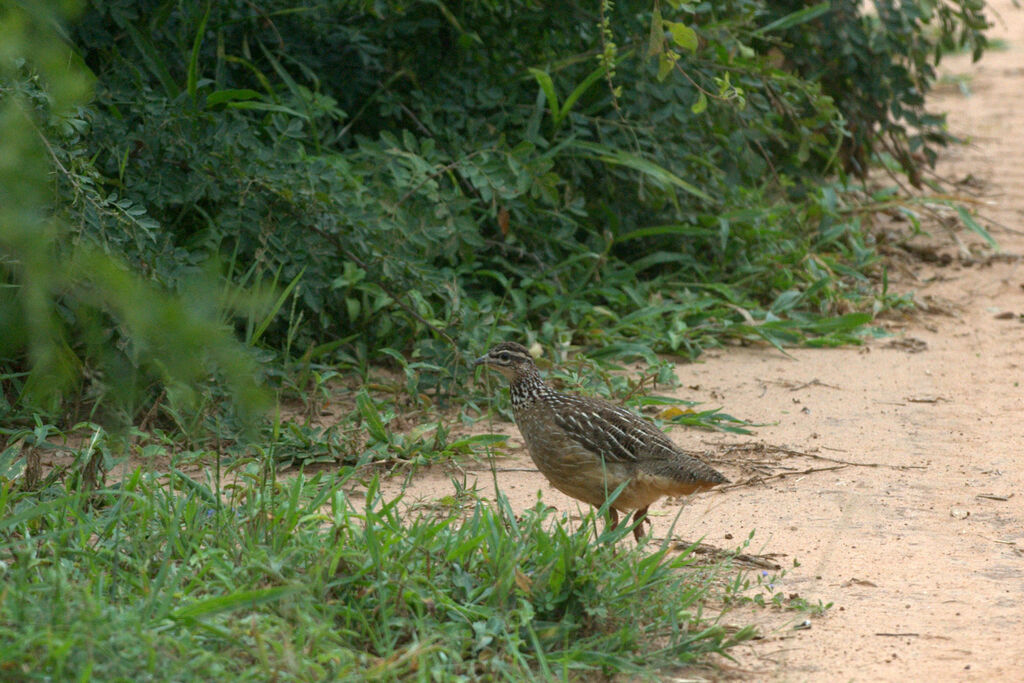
column 666, row 62
column 682, row 35
column 843, row 323
column 969, row 221
column 479, row 440
column 712, row 419
column 368, row 410
column 700, row 105
column 786, row 301
column 656, row 41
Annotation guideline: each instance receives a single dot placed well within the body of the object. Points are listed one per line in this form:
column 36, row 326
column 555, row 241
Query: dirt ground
column 921, row 548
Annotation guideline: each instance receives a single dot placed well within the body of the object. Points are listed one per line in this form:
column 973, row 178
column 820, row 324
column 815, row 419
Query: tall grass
column 298, row 579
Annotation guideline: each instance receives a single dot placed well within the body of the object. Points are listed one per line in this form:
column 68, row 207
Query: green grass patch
column 298, row 579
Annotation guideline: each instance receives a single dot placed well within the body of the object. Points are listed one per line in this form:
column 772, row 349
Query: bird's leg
column 638, row 519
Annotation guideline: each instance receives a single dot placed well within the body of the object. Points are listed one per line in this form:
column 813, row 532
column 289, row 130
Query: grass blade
column 193, row 61
column 230, row 95
column 262, row 327
column 637, row 163
column 369, row 413
column 592, row 78
column 548, row 87
column 233, row 601
column 795, row 18
column 34, row 511
column 969, row 221
column 152, row 58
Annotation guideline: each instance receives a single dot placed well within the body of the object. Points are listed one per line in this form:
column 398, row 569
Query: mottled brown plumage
column 588, row 447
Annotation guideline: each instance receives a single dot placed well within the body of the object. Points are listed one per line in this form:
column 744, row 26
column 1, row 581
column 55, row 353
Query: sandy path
column 892, row 547
column 930, row 543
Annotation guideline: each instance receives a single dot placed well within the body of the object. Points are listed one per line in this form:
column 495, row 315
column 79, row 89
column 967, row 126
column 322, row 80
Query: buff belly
column 582, row 474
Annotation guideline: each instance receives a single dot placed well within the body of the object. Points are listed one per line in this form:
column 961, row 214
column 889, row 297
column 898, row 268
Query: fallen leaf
column 503, row 220
column 674, row 411
column 523, row 581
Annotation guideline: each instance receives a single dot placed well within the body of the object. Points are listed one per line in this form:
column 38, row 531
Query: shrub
column 417, row 174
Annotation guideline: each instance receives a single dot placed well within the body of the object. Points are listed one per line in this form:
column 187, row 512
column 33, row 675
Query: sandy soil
column 921, row 549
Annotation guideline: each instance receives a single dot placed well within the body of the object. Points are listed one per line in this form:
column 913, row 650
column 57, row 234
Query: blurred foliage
column 71, row 308
column 417, row 178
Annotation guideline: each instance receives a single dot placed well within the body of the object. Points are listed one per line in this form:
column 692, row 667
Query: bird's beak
column 482, row 360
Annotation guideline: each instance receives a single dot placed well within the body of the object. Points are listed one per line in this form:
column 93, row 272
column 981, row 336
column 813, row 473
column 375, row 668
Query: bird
column 587, row 447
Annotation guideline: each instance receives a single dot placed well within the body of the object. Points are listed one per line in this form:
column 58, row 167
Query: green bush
column 878, row 66
column 422, row 177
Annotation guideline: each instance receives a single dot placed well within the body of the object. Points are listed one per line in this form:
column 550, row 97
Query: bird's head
column 510, row 359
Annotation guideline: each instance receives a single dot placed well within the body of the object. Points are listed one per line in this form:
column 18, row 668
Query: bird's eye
column 504, row 357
